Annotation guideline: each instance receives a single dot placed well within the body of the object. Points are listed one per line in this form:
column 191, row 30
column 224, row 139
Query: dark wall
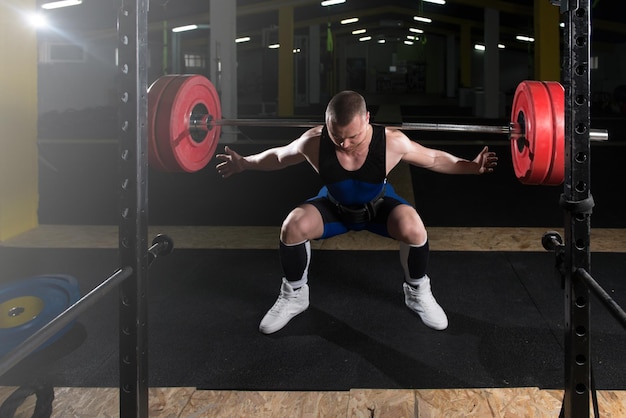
column 79, row 184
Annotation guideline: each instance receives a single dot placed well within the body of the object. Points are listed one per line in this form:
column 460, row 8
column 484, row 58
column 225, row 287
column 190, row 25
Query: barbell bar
column 184, row 126
column 514, row 130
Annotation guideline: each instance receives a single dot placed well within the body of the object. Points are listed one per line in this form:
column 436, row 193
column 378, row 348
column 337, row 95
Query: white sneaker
column 421, row 301
column 289, row 304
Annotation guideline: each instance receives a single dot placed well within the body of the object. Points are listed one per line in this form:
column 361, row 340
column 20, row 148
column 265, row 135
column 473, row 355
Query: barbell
column 185, row 120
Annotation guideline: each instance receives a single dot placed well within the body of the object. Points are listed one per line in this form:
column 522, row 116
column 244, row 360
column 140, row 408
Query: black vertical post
column 577, row 203
column 133, row 216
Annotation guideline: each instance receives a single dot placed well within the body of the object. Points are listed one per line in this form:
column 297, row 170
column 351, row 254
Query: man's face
column 349, row 137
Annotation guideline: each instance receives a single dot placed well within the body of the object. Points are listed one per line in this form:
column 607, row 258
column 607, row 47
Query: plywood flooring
column 266, row 237
column 361, row 403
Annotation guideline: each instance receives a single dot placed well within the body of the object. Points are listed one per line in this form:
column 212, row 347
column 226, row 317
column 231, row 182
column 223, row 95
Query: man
column 353, row 159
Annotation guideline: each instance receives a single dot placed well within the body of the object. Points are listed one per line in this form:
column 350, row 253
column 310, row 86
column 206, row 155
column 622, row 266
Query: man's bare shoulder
column 311, row 136
column 393, row 132
column 396, row 139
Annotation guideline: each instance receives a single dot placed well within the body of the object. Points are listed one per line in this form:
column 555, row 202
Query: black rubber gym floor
column 506, row 313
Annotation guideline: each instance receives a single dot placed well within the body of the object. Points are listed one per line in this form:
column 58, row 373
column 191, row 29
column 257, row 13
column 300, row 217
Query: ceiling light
column 408, row 42
column 524, row 38
column 358, row 31
column 38, row 20
column 59, row 4
column 436, row 1
column 480, row 47
column 365, row 38
column 332, row 2
column 415, row 30
column 422, row 19
column 184, row 28
column 381, row 41
column 273, row 46
column 242, row 39
column 351, row 20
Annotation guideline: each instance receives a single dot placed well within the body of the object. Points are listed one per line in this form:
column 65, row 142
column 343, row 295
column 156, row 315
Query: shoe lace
column 421, row 296
column 280, row 302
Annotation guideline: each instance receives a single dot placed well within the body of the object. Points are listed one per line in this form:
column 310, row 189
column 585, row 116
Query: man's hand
column 232, row 163
column 486, row 160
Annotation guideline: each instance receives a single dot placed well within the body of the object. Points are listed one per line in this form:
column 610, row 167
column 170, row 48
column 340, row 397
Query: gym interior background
column 59, row 127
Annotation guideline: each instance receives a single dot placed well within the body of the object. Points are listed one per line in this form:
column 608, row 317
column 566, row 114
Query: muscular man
column 353, row 159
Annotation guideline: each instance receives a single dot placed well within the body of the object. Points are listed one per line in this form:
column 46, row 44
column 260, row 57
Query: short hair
column 344, row 107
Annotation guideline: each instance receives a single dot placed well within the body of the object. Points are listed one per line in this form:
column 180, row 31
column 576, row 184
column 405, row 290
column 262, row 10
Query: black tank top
column 359, row 186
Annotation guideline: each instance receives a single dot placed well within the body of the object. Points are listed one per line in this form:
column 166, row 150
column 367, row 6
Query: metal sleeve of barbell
column 32, row 343
column 598, row 135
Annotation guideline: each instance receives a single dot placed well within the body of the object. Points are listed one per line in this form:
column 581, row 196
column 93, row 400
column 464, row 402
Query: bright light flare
column 37, row 20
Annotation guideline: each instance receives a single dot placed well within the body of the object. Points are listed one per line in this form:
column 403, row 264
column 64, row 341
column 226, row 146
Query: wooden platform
column 266, row 237
column 365, row 403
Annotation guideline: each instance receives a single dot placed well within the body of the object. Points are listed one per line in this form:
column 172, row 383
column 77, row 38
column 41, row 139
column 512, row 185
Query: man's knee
column 406, row 225
column 414, row 234
column 301, row 224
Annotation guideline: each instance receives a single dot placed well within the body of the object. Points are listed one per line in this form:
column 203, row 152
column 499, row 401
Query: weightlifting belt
column 356, row 214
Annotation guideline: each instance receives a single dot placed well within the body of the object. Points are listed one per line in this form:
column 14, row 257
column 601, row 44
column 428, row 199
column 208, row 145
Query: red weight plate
column 542, row 134
column 556, row 173
column 180, row 148
column 155, row 92
column 533, row 109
